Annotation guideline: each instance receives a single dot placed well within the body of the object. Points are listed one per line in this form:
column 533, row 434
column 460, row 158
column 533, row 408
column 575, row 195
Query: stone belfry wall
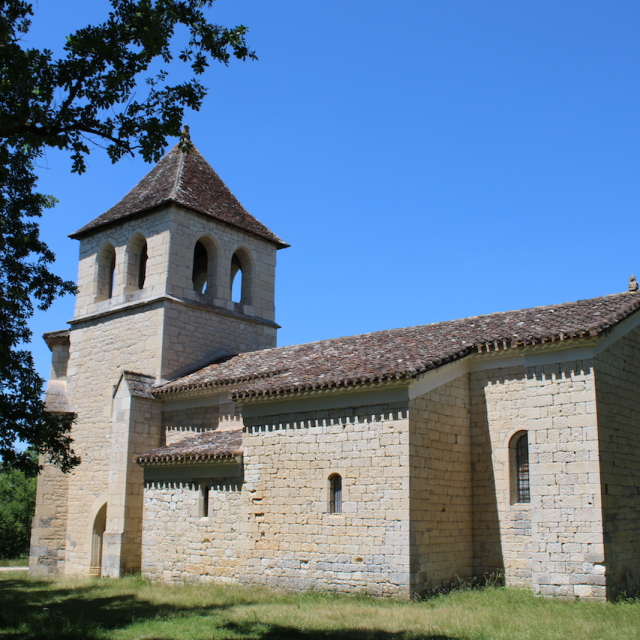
column 136, row 325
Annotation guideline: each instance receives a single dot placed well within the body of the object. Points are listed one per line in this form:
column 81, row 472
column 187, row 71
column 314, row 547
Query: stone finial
column 633, row 283
column 186, row 136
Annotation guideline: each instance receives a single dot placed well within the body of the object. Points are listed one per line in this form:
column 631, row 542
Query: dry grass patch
column 134, row 608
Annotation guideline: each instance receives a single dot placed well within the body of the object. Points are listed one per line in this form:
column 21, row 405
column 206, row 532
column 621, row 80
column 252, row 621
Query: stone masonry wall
column 179, row 545
column 554, row 543
column 179, row 424
column 182, row 423
column 136, row 428
column 277, row 529
column 49, row 526
column 296, row 542
column 441, row 495
column 566, row 513
column 501, row 530
column 191, row 333
column 618, row 404
column 100, row 351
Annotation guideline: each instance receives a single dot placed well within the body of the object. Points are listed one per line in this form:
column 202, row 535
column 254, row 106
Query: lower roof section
column 207, row 447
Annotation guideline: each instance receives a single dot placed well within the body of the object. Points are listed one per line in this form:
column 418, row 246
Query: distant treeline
column 17, row 506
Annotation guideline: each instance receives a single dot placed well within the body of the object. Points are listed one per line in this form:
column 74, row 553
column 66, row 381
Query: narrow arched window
column 112, row 275
column 142, row 269
column 204, row 500
column 200, row 268
column 135, row 264
column 105, row 285
column 335, row 493
column 236, row 279
column 522, row 468
column 105, row 273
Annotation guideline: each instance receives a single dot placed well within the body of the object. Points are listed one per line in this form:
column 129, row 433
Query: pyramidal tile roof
column 188, row 180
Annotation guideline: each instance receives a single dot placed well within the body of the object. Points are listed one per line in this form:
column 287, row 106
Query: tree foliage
column 101, row 93
column 24, row 278
column 17, row 506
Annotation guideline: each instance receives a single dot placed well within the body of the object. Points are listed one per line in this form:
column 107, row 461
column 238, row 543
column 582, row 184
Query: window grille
column 335, row 501
column 522, row 468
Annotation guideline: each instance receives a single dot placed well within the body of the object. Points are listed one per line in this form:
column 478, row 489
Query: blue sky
column 426, row 160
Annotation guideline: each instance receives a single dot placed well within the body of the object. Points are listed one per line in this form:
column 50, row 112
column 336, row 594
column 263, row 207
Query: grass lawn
column 15, row 562
column 133, row 608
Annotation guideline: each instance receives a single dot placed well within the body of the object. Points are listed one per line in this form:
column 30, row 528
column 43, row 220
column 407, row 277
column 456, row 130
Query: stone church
column 390, row 462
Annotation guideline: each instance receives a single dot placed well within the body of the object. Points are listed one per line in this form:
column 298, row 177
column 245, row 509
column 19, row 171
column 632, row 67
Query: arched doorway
column 97, row 534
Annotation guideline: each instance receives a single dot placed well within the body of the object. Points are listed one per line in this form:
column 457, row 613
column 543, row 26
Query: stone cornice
column 166, row 298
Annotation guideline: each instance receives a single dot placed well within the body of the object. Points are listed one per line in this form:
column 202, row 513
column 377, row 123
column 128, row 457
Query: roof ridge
column 178, row 180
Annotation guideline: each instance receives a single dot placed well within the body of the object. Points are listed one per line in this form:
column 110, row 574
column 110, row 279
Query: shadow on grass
column 31, row 609
column 261, row 631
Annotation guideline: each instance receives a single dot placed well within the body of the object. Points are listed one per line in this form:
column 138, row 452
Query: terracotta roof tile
column 209, row 445
column 190, row 181
column 403, row 353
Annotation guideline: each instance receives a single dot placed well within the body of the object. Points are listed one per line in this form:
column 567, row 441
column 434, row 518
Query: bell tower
column 178, row 240
column 155, row 301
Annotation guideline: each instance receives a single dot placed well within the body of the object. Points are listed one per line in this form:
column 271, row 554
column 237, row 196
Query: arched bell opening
column 241, row 277
column 142, row 270
column 136, row 257
column 236, row 279
column 205, row 266
column 200, row 268
column 97, row 536
column 106, row 270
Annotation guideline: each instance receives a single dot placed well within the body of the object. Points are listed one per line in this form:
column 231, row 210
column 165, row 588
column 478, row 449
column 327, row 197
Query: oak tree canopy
column 112, row 88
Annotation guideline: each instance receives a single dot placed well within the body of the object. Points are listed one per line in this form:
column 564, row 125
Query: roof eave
column 82, row 232
column 235, row 456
